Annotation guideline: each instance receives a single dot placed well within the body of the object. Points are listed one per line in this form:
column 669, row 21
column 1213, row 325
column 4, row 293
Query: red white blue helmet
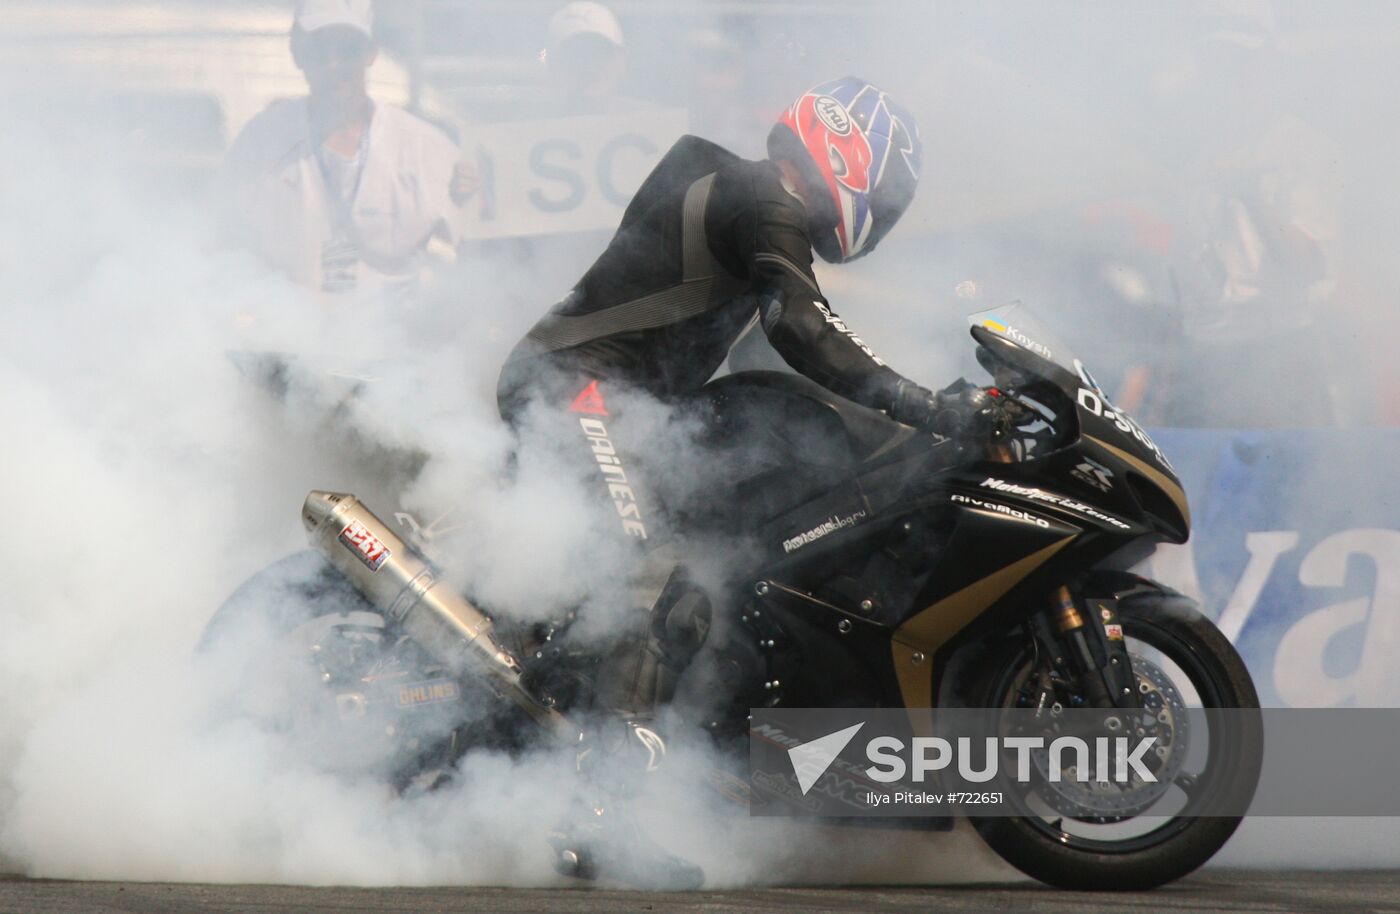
column 860, row 155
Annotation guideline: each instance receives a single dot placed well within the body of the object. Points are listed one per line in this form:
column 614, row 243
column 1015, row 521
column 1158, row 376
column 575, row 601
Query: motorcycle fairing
column 916, row 642
column 1150, row 487
column 1109, row 487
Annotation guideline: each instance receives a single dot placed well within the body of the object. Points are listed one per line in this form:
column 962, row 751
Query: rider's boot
column 601, row 836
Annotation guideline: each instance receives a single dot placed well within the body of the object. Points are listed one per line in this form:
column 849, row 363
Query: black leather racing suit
column 709, row 243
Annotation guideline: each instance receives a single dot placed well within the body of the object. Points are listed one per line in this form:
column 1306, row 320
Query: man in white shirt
column 341, row 194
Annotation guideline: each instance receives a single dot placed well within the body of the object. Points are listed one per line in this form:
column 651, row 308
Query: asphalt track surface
column 1349, row 891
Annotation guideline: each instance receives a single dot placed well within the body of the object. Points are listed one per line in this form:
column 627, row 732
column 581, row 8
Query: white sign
column 1305, row 665
column 569, row 174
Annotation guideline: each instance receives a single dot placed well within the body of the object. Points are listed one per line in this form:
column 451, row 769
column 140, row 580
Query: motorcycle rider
column 710, row 243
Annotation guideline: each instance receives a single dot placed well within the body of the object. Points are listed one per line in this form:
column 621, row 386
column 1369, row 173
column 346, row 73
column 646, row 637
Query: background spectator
column 587, row 61
column 340, row 193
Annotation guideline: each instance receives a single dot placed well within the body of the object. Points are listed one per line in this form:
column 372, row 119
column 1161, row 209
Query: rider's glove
column 961, row 410
column 913, row 405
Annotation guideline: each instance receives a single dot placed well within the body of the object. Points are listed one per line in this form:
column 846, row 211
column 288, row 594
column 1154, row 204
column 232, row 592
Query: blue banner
column 1295, row 552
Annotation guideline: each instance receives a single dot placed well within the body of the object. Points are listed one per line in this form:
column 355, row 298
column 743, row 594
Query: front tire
column 1050, row 850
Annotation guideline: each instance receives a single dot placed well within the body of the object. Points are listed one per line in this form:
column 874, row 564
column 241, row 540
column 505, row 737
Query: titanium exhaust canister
column 402, row 585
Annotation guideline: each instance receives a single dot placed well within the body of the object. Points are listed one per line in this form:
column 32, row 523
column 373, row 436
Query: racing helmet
column 859, row 154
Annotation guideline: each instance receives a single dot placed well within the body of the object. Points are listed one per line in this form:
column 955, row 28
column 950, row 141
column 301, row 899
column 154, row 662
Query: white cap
column 584, row 17
column 318, row 14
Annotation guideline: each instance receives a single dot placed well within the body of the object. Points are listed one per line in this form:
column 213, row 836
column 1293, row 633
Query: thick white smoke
column 150, row 475
column 147, row 476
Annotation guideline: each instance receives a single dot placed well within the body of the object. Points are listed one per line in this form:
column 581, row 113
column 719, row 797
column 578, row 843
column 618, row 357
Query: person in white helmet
column 341, row 193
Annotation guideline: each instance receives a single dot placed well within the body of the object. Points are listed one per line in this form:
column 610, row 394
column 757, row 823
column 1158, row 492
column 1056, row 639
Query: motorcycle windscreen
column 1016, row 324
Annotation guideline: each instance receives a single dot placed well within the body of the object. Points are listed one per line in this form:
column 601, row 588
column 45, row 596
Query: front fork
column 1086, row 641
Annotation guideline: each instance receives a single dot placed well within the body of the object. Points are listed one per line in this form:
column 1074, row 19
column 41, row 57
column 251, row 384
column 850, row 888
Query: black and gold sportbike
column 884, row 567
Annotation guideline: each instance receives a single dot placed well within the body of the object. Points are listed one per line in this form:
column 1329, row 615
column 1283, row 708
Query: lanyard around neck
column 344, row 205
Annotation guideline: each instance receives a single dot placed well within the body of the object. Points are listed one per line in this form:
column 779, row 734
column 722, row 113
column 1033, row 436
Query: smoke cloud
column 150, row 472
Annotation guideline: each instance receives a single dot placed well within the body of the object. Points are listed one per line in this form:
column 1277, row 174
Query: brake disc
column 1162, row 717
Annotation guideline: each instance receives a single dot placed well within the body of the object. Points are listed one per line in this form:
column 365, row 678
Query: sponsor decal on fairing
column 996, row 508
column 1093, row 473
column 1095, row 402
column 1069, row 504
column 1001, row 327
column 831, row 525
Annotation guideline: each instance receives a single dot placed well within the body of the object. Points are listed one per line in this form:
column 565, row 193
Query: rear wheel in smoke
column 1112, row 837
column 306, row 658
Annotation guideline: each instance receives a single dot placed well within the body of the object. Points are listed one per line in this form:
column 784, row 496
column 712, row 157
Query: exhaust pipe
column 402, row 585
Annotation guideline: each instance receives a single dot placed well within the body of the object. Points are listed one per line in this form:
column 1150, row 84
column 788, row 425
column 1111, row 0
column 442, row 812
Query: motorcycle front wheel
column 1177, row 650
